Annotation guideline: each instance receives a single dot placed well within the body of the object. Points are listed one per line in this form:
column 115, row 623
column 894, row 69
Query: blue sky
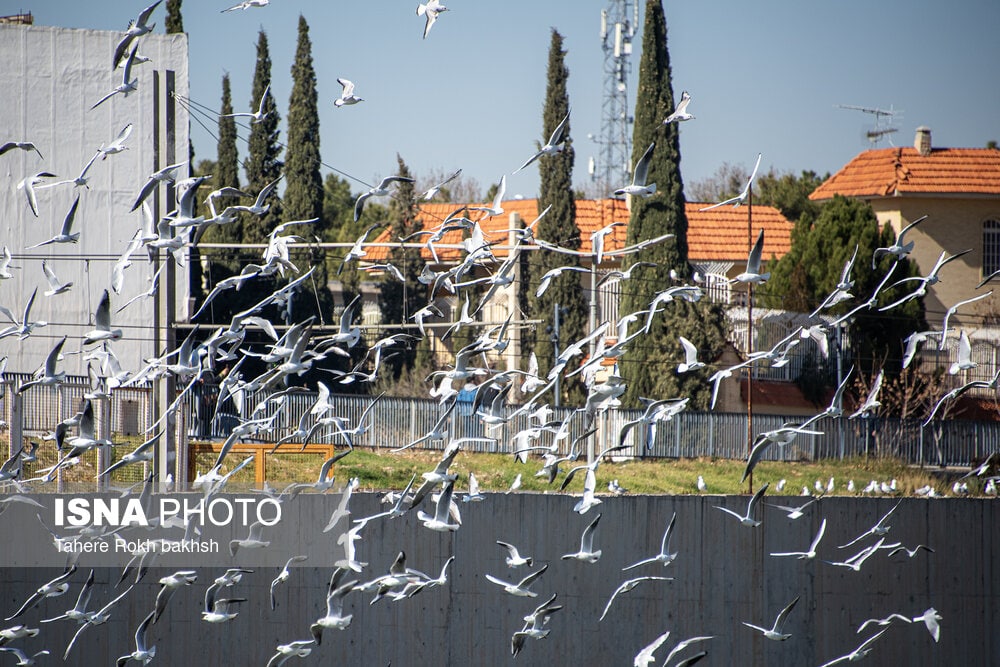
column 764, row 77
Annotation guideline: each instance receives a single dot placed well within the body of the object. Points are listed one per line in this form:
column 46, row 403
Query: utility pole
column 555, row 347
column 750, row 335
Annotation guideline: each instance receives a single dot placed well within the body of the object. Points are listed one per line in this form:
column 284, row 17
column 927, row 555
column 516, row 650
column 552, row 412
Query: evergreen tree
column 558, row 226
column 174, row 22
column 401, row 299
column 813, row 266
column 304, row 193
column 649, row 365
column 303, row 197
column 263, row 164
column 227, row 171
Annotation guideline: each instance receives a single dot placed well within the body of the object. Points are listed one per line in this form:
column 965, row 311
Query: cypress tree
column 303, row 197
column 401, row 299
column 263, row 164
column 558, row 226
column 174, row 22
column 649, row 365
column 227, row 169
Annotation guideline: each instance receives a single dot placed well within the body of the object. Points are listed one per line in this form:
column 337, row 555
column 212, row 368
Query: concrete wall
column 724, row 575
column 50, row 79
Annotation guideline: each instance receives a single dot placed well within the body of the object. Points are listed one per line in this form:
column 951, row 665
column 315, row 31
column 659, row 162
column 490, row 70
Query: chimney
column 922, row 142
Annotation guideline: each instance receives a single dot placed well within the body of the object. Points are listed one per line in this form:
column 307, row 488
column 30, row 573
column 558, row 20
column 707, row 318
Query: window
column 991, row 247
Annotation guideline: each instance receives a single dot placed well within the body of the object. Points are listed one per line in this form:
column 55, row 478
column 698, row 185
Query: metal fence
column 396, row 422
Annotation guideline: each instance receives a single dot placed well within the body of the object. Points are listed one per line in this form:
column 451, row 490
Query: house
column 718, row 244
column 958, row 189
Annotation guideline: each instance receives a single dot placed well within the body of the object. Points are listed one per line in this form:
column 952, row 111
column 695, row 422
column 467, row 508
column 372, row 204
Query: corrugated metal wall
column 723, row 576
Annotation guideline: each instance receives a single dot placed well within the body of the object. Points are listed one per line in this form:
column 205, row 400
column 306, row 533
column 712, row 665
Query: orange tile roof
column 716, row 235
column 720, row 235
column 888, row 172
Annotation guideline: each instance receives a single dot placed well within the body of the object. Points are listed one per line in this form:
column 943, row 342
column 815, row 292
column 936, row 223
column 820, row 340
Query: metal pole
column 750, row 337
column 840, row 379
column 555, row 348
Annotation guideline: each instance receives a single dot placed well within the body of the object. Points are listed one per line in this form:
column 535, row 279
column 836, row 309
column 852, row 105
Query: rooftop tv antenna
column 883, row 119
column 619, row 22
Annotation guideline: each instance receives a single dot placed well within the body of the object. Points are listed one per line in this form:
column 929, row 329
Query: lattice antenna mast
column 611, row 168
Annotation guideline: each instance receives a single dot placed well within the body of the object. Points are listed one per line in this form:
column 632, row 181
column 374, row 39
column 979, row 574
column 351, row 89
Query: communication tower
column 619, row 22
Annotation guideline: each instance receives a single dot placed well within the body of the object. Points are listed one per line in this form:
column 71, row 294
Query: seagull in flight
column 254, row 116
column 28, row 184
column 118, row 145
column 664, row 557
column 247, row 4
column 742, row 196
column 775, row 632
column 680, row 112
column 136, row 28
column 379, row 190
column 166, row 175
column 858, row 653
column 753, row 274
column 555, row 143
column 126, row 86
column 433, row 191
column 56, row 286
column 64, row 235
column 496, row 208
column 23, row 145
column 347, row 95
column 899, row 249
column 638, row 187
column 811, row 553
column 747, row 519
column 431, row 10
column 521, row 588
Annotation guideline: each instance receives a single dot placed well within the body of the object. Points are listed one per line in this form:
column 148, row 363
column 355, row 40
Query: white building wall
column 50, row 79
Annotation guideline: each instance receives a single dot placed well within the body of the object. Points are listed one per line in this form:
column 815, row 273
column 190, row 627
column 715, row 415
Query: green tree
column 304, row 193
column 401, row 299
column 789, row 193
column 649, row 365
column 558, row 226
column 174, row 22
column 813, row 267
column 263, row 164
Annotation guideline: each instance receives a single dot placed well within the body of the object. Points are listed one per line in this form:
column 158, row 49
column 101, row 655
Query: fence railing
column 396, row 422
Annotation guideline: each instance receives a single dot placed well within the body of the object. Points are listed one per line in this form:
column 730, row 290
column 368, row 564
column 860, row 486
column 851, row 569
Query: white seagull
column 380, row 190
column 430, row 10
column 347, row 95
column 775, row 632
column 28, row 184
column 552, row 146
column 118, row 145
column 664, row 557
column 254, row 116
column 56, row 286
column 753, row 274
column 690, row 362
column 586, row 552
column 521, row 588
column 514, row 558
column 136, row 28
column 126, row 86
column 898, row 249
column 742, row 196
column 638, row 186
column 811, row 553
column 680, row 111
column 65, row 234
column 747, row 519
column 858, row 653
column 23, row 145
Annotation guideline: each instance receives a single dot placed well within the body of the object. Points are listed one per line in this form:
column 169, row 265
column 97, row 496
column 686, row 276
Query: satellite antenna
column 883, row 117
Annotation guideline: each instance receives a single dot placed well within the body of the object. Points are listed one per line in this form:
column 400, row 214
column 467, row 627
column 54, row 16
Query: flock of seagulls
column 296, row 351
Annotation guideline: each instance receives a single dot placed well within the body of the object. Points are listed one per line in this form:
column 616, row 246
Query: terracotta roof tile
column 887, row 172
column 716, row 235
